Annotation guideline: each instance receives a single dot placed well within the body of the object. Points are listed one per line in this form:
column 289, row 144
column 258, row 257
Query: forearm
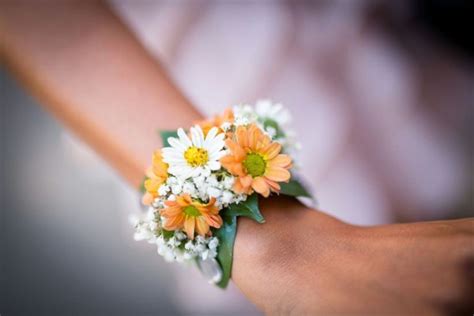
column 89, row 70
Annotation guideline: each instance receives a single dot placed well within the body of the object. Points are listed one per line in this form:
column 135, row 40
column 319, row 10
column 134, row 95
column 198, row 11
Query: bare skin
column 319, row 265
column 88, row 69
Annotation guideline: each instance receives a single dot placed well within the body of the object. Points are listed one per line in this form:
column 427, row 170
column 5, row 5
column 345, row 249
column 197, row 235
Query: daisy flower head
column 195, row 156
column 191, row 215
column 255, row 161
column 156, row 176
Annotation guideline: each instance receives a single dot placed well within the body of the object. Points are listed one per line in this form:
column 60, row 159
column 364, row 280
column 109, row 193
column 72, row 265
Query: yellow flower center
column 191, row 210
column 196, row 156
column 255, row 165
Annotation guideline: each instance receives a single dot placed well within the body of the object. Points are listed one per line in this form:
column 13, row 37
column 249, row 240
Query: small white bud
column 213, row 192
column 163, row 189
column 213, row 243
column 227, row 197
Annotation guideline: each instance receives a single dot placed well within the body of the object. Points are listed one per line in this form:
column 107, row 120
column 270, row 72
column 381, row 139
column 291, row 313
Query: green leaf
column 164, row 136
column 167, row 234
column 294, row 188
column 248, row 208
column 226, row 234
column 268, row 122
column 225, row 251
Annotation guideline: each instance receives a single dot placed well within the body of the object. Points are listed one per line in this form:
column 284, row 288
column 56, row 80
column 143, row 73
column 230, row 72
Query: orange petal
column 260, row 185
column 184, row 200
column 227, row 116
column 214, row 210
column 277, row 174
column 171, row 203
column 189, row 224
column 171, row 211
column 263, row 142
column 283, row 161
column 241, row 134
column 275, row 187
column 211, row 202
column 174, row 223
column 238, row 188
column 237, row 152
column 214, row 220
column 159, row 167
column 149, row 173
column 233, row 167
column 188, row 199
column 243, row 185
column 253, row 137
column 229, row 159
column 246, row 181
column 238, row 170
column 151, row 185
column 202, row 228
column 147, row 198
column 272, row 150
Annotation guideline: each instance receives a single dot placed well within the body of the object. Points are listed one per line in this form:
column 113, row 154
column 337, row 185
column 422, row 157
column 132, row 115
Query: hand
column 303, row 262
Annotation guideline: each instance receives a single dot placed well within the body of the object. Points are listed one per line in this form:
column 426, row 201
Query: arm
column 87, row 68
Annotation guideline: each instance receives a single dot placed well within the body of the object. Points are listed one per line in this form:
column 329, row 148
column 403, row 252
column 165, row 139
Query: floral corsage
column 204, row 178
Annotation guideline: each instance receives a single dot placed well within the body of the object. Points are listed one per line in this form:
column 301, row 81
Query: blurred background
column 382, row 98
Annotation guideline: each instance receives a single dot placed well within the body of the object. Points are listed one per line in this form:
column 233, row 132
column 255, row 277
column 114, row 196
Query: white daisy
column 196, row 156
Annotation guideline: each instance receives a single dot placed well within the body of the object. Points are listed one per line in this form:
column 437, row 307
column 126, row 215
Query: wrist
column 273, row 261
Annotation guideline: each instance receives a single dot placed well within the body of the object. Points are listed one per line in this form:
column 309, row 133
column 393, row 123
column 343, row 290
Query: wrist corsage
column 204, row 178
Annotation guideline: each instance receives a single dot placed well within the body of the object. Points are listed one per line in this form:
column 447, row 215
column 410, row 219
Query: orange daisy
column 217, row 121
column 191, row 215
column 156, row 176
column 256, row 161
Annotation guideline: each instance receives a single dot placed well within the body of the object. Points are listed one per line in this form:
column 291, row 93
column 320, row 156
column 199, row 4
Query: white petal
column 167, row 150
column 220, row 136
column 194, row 137
column 189, row 173
column 197, row 136
column 215, row 148
column 174, row 142
column 174, row 170
column 210, row 135
column 174, row 156
column 216, row 144
column 214, row 165
column 173, row 160
column 170, row 151
column 218, row 140
column 216, row 155
column 181, row 172
column 184, row 138
column 180, row 163
column 206, row 171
